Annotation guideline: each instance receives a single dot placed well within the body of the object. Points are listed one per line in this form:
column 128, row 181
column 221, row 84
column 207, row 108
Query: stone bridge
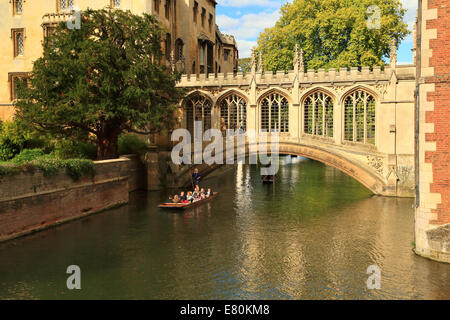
column 360, row 121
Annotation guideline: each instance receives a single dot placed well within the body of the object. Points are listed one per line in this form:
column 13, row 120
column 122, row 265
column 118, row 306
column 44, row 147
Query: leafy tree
column 332, row 33
column 245, row 65
column 97, row 81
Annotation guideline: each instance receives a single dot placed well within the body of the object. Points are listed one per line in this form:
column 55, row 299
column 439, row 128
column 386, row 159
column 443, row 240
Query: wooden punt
column 184, row 206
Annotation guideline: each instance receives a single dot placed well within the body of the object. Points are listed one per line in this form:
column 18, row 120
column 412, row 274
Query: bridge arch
column 269, row 91
column 274, row 111
column 363, row 174
column 197, row 106
column 318, row 112
column 233, row 110
column 360, row 109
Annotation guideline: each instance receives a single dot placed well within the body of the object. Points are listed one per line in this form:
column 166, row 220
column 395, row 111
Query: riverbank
column 31, row 201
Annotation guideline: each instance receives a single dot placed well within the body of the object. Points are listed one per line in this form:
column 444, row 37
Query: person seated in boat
column 170, row 199
column 182, row 196
column 209, row 193
column 196, row 191
column 189, row 197
column 202, row 194
column 176, row 199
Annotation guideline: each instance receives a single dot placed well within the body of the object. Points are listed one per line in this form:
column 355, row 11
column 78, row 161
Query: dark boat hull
column 184, row 206
column 268, row 179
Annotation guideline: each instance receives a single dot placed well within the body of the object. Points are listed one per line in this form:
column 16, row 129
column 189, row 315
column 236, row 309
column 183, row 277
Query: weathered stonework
column 30, row 202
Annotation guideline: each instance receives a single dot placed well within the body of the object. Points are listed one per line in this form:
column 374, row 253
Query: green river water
column 312, row 235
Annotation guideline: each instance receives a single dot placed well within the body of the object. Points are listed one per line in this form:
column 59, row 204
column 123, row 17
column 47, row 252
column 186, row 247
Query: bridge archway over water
column 364, row 175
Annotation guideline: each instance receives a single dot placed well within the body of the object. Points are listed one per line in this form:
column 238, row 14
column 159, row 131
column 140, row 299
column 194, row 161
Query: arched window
column 179, row 49
column 233, row 112
column 360, row 117
column 274, row 113
column 318, row 114
column 198, row 108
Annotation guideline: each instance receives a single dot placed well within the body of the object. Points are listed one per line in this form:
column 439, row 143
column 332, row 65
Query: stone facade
column 30, row 201
column 433, row 140
column 193, row 41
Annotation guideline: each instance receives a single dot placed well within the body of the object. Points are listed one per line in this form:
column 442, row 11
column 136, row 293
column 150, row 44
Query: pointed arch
column 197, row 107
column 233, row 110
column 318, row 112
column 359, row 107
column 274, row 111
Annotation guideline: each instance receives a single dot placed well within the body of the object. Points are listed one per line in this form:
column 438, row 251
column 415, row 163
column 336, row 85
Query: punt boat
column 184, row 206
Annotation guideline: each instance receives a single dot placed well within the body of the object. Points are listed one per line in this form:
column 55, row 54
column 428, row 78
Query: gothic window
column 17, row 6
column 115, row 3
column 275, row 113
column 318, row 114
column 156, row 6
column 203, row 16
column 168, row 46
column 13, row 79
column 179, row 49
column 65, row 4
column 167, row 9
column 360, row 117
column 194, row 12
column 18, row 41
column 198, row 108
column 233, row 112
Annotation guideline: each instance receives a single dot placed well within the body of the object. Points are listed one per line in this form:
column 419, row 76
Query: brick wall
column 440, row 116
column 30, row 202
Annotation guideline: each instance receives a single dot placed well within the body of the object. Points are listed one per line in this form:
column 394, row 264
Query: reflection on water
column 311, row 235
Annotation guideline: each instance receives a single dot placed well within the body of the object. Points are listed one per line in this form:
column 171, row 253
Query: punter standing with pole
column 196, row 177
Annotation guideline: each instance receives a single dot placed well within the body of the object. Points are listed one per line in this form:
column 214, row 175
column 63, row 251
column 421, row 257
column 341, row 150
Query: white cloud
column 247, row 28
column 245, row 47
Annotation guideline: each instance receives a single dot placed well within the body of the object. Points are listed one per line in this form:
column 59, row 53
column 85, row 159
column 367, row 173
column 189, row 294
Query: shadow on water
column 310, row 235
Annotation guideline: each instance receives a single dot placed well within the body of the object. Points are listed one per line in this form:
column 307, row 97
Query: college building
column 193, row 39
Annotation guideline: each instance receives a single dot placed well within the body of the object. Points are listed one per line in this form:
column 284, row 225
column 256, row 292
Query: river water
column 312, row 235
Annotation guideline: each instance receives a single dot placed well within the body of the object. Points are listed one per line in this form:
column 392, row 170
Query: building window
column 49, row 29
column 168, row 46
column 156, row 6
column 64, row 5
column 360, row 117
column 167, row 9
column 225, row 55
column 115, row 3
column 203, row 16
column 233, row 112
column 274, row 113
column 195, row 12
column 318, row 114
column 179, row 49
column 210, row 22
column 198, row 108
column 18, row 41
column 17, row 6
column 13, row 79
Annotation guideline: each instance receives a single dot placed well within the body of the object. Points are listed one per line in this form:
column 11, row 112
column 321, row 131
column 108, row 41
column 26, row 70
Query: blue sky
column 245, row 19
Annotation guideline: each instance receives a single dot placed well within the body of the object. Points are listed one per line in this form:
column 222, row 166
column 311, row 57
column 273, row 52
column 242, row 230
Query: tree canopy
column 100, row 80
column 332, row 33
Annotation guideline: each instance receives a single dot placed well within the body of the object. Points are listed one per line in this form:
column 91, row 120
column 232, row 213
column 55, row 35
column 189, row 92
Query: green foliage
column 69, row 149
column 36, row 159
column 15, row 137
column 100, row 80
column 245, row 65
column 332, row 33
column 131, row 144
column 77, row 168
